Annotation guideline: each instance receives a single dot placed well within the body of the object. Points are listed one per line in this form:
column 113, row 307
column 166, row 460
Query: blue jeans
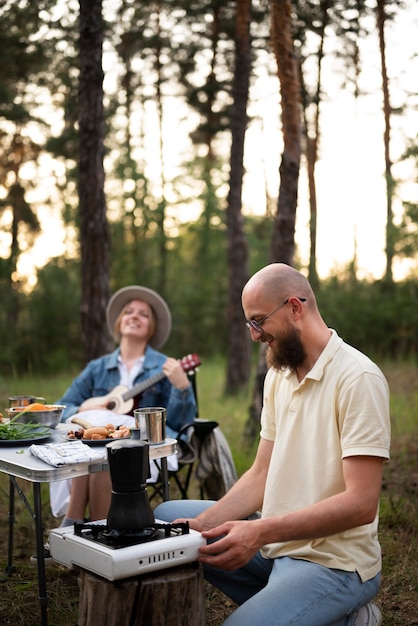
column 282, row 591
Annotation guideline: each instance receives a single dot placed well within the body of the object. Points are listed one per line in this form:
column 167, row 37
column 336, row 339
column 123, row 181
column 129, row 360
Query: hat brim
column 159, row 306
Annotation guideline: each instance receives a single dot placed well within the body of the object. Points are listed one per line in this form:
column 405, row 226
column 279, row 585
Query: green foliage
column 46, row 336
column 45, row 333
column 377, row 318
column 196, row 291
column 54, row 319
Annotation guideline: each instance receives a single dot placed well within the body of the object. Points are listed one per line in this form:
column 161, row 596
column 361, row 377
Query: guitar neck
column 188, row 363
column 141, row 387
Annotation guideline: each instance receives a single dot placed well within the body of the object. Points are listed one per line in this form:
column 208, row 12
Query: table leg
column 37, row 517
column 11, row 521
column 43, row 598
column 166, row 482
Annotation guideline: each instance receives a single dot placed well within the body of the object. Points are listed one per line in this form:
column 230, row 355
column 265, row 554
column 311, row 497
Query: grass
column 398, row 596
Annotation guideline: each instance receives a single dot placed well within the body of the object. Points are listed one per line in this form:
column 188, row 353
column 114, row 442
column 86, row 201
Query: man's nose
column 256, row 334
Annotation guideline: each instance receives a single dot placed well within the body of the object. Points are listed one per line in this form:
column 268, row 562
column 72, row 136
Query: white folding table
column 19, row 463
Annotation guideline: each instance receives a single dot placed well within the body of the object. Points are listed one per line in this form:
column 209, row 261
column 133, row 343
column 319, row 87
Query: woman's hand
column 175, row 373
column 93, row 403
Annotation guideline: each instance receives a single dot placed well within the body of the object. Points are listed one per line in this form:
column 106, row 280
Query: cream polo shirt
column 340, row 409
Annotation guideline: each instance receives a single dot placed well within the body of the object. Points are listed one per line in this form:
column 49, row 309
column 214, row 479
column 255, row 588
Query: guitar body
column 121, row 399
column 114, row 401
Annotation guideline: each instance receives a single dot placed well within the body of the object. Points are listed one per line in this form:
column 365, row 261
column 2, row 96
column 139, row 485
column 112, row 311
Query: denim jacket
column 101, row 375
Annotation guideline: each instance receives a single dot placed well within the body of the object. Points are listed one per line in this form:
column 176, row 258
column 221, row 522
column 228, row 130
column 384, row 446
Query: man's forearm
column 241, row 501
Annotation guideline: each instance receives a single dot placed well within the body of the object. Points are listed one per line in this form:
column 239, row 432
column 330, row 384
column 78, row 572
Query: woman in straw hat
column 140, row 322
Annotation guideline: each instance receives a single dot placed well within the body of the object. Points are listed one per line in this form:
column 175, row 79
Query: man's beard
column 288, row 351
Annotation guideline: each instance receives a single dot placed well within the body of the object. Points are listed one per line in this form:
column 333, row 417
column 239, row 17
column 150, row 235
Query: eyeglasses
column 257, row 325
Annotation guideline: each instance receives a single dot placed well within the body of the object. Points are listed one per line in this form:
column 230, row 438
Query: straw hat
column 158, row 305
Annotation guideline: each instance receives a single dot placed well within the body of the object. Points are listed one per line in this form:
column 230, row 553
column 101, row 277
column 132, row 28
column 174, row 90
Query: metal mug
column 24, row 400
column 151, row 422
column 140, row 425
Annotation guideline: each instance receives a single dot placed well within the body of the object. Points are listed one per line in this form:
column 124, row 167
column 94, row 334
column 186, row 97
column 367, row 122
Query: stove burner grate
column 115, row 539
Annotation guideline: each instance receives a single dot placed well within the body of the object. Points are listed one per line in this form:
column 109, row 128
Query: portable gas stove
column 119, row 554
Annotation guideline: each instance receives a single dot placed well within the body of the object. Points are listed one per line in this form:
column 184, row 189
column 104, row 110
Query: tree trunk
column 252, row 427
column 94, row 233
column 381, row 18
column 283, row 239
column 172, row 597
column 312, row 138
column 161, row 211
column 238, row 347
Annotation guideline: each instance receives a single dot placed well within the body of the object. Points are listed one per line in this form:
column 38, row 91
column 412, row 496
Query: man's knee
column 174, row 509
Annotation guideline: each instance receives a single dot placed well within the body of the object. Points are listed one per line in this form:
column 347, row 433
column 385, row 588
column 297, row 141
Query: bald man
column 311, row 556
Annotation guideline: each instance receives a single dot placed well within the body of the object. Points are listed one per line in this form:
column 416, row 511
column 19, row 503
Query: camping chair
column 204, row 454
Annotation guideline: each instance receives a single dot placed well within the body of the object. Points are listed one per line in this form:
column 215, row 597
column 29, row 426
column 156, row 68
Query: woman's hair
column 152, row 326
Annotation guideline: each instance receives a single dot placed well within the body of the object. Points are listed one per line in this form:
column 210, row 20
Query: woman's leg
column 100, row 493
column 79, row 498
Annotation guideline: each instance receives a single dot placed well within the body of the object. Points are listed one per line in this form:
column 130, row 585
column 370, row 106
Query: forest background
column 125, row 134
column 172, row 216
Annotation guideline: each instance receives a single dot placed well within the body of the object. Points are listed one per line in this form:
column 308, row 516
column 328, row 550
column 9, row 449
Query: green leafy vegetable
column 15, row 430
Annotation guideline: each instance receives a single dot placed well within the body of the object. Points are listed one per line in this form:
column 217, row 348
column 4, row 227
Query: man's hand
column 239, row 542
column 194, row 523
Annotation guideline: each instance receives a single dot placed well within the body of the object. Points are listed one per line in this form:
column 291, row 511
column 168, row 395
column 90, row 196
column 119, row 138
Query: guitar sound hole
column 111, row 405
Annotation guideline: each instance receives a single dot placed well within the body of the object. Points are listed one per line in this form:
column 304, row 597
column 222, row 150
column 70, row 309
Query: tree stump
column 171, row 597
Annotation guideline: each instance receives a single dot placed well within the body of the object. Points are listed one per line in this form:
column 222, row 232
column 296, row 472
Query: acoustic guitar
column 121, row 399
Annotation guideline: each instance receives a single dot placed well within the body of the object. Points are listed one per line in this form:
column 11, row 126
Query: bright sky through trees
column 350, row 172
